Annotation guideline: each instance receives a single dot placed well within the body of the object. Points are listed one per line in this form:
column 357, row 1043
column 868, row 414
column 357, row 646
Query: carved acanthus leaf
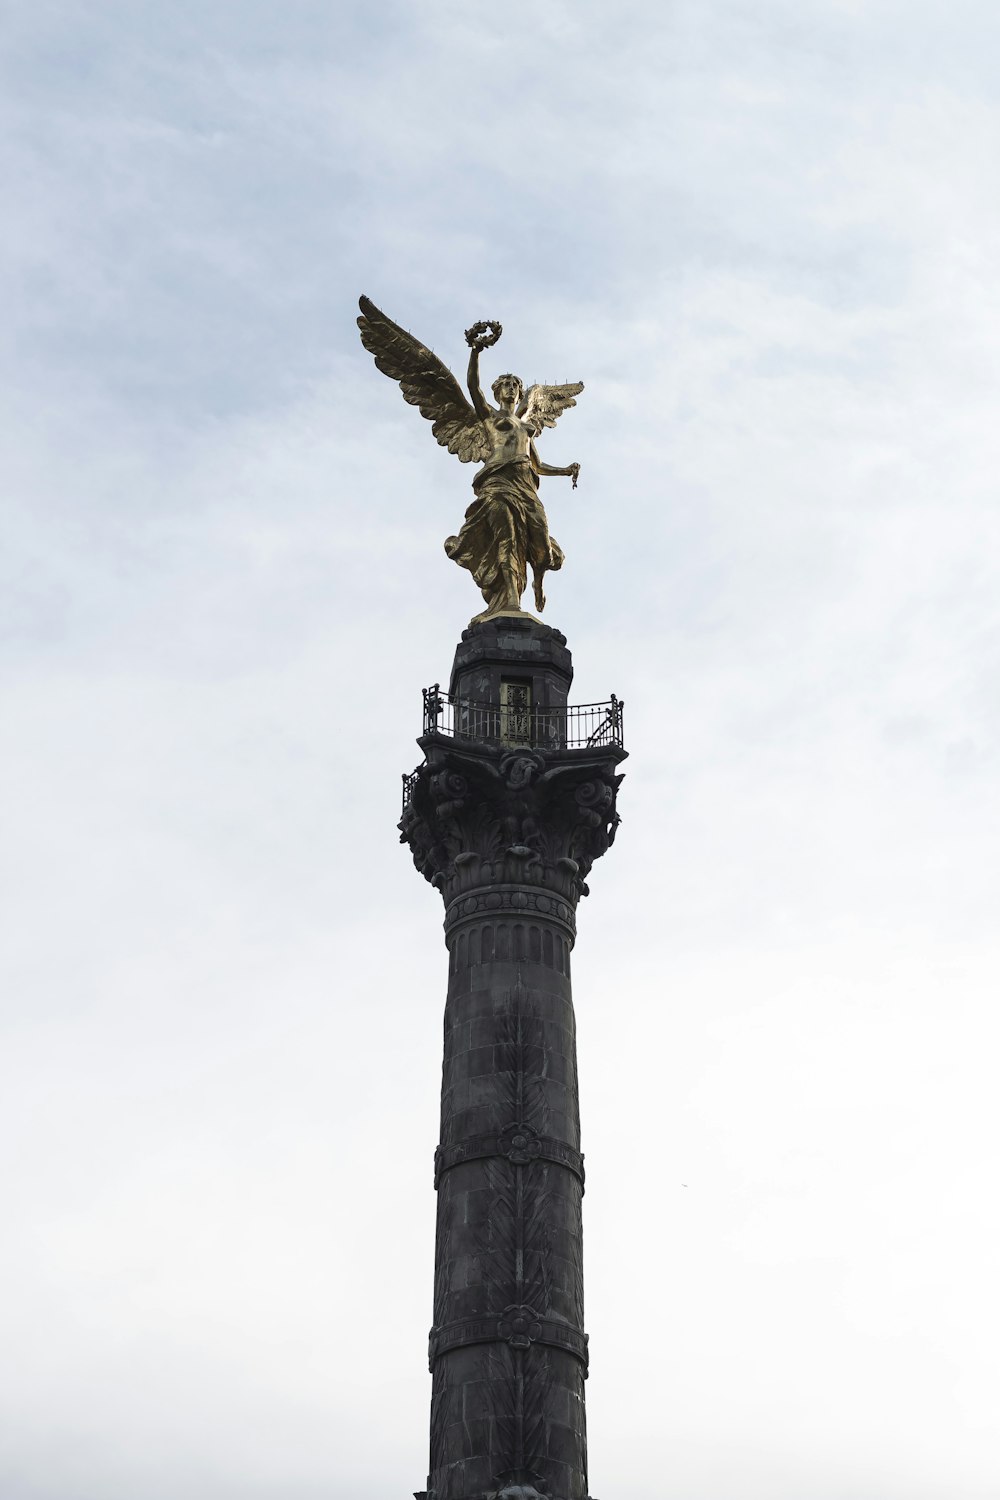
column 547, row 814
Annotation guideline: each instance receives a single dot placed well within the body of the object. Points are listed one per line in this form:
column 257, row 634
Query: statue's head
column 508, row 388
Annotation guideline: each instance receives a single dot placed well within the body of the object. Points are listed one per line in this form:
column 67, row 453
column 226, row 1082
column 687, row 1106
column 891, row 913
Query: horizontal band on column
column 531, row 903
column 520, row 1327
column 518, row 1143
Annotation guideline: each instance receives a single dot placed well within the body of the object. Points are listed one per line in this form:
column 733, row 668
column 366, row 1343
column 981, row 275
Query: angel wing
column 426, row 383
column 543, row 405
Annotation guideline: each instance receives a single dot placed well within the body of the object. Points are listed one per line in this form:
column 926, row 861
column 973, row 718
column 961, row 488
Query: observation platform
column 516, row 724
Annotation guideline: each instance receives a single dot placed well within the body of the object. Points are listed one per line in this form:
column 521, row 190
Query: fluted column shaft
column 508, row 1350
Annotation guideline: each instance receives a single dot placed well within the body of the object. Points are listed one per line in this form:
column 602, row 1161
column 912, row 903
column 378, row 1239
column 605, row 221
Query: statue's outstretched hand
column 574, row 470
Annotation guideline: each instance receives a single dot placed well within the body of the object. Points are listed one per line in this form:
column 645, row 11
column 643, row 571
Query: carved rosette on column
column 515, row 800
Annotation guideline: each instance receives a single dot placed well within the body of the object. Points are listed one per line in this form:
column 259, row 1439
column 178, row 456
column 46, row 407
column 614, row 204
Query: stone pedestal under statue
column 513, row 803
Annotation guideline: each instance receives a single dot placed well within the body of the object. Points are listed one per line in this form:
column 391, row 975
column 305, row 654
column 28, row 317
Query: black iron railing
column 583, row 726
column 409, row 782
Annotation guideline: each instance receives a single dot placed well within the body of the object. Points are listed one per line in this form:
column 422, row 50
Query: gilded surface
column 506, row 530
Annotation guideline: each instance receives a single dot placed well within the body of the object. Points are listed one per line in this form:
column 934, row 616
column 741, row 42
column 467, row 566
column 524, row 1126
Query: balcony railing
column 583, row 727
column 410, row 780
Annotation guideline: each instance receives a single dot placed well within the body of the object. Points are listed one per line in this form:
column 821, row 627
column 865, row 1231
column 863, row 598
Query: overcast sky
column 766, row 234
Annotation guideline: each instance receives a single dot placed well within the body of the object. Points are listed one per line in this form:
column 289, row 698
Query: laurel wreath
column 483, row 335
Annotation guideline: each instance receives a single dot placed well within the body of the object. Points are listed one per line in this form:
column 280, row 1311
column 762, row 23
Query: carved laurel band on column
column 520, row 1327
column 518, row 1143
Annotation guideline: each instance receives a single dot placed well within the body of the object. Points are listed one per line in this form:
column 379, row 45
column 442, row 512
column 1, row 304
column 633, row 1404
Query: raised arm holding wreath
column 505, row 527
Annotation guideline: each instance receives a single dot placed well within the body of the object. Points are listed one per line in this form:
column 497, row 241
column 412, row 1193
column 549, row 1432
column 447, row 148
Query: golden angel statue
column 505, row 526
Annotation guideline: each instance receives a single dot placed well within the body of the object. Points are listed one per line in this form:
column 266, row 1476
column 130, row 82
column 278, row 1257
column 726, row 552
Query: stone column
column 505, row 817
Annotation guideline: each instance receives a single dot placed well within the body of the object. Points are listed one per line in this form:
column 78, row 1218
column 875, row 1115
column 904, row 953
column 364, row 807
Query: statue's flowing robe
column 505, row 529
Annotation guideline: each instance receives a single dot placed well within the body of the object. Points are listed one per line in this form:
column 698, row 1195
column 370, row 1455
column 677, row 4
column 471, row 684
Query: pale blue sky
column 765, row 235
